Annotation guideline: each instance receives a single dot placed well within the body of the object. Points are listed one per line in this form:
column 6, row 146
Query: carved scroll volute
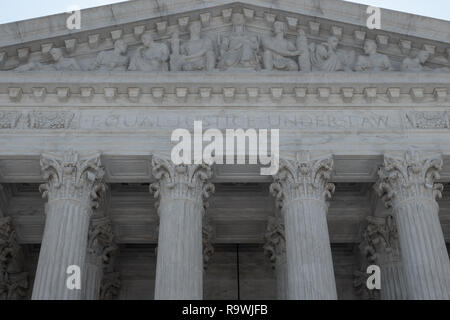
column 303, row 178
column 181, row 181
column 70, row 176
column 409, row 176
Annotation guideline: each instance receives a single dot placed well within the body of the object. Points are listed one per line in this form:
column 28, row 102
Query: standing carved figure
column 240, row 48
column 304, row 58
column 113, row 60
column 278, row 50
column 195, row 54
column 151, row 56
column 372, row 61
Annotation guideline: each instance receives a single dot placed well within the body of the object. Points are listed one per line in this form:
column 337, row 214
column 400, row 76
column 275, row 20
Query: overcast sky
column 14, row 10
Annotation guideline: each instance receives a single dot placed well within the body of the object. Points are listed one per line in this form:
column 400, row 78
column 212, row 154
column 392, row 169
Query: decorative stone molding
column 380, row 240
column 102, row 252
column 275, row 245
column 409, row 176
column 71, row 176
column 13, row 281
column 208, row 248
column 110, row 287
column 190, row 182
column 303, row 178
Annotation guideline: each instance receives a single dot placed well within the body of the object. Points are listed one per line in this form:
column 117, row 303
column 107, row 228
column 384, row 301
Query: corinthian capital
column 275, row 246
column 303, row 178
column 181, row 181
column 70, row 176
column 409, row 176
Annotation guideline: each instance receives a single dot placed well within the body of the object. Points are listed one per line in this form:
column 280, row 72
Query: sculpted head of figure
column 56, row 54
column 279, row 27
column 423, row 56
column 238, row 21
column 370, row 47
column 120, row 46
column 147, row 39
column 333, row 42
column 195, row 28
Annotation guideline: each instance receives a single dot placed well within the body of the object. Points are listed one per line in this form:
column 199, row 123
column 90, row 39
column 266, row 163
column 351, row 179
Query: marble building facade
column 86, row 178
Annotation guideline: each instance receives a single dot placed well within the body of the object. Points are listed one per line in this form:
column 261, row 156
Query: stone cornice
column 230, row 88
column 101, row 26
column 141, row 10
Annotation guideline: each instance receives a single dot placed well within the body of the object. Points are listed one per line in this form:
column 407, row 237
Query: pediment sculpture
column 239, row 49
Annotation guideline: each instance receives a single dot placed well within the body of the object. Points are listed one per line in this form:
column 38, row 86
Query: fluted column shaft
column 180, row 191
column 301, row 186
column 407, row 184
column 92, row 280
column 73, row 187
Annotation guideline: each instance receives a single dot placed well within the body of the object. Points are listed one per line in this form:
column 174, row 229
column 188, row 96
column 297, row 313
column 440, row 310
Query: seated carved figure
column 151, row 56
column 326, row 57
column 277, row 49
column 372, row 61
column 112, row 60
column 195, row 54
column 59, row 63
column 416, row 64
column 240, row 48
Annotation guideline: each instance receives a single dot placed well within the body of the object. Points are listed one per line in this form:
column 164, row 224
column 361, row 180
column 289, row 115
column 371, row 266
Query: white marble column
column 301, row 186
column 275, row 248
column 73, row 187
column 101, row 253
column 407, row 183
column 180, row 190
column 380, row 246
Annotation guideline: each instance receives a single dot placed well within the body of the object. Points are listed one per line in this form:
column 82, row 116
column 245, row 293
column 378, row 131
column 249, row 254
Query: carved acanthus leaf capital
column 303, row 179
column 275, row 246
column 70, row 176
column 409, row 176
column 181, row 181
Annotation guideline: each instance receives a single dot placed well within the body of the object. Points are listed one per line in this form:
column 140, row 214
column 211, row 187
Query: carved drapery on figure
column 278, row 51
column 407, row 184
column 240, row 48
column 195, row 54
column 13, row 280
column 101, row 253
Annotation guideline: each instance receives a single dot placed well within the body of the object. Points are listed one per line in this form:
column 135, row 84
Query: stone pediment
column 306, row 23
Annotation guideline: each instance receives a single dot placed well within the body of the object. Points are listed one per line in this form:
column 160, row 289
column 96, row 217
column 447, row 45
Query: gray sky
column 14, row 10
